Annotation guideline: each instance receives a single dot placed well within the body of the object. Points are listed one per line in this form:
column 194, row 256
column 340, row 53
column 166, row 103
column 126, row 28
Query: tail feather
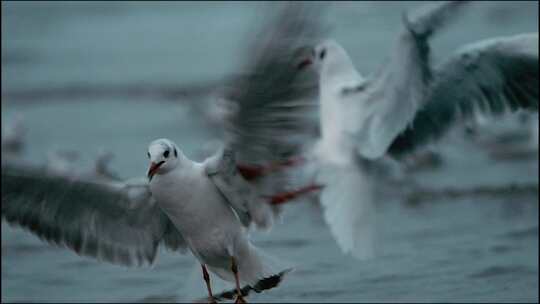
column 261, row 285
column 348, row 203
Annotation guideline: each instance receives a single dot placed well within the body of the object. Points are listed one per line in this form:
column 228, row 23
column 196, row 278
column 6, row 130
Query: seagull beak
column 153, row 169
column 304, row 63
column 306, row 52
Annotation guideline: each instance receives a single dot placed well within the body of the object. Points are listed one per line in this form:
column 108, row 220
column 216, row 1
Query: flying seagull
column 406, row 104
column 205, row 207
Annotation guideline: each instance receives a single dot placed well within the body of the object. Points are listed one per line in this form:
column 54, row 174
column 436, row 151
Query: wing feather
column 272, row 101
column 101, row 220
column 494, row 77
column 270, row 111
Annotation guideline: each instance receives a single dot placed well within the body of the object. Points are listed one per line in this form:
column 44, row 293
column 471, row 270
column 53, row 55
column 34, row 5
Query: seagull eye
column 148, row 154
column 175, row 153
column 322, row 54
column 166, row 154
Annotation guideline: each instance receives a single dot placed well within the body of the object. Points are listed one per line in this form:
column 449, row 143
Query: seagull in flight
column 207, row 207
column 366, row 121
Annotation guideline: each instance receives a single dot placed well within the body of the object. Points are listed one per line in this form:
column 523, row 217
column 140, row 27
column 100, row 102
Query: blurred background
column 93, row 76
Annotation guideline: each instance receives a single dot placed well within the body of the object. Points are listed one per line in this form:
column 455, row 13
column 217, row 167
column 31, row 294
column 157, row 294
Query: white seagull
column 205, row 207
column 408, row 103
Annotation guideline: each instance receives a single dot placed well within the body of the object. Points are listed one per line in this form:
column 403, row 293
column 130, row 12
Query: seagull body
column 192, row 201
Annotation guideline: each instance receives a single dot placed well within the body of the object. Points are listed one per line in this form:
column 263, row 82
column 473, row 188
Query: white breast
column 193, row 203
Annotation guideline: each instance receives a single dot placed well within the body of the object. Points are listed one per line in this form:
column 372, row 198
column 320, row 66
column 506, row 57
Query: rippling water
column 461, row 250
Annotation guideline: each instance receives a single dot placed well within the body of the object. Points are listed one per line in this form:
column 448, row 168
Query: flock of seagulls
column 274, row 151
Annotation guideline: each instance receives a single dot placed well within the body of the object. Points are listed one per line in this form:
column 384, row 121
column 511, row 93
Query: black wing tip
column 271, row 281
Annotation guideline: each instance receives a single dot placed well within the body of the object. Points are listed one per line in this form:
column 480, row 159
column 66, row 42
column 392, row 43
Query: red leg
column 283, row 197
column 234, row 268
column 206, row 277
column 251, row 172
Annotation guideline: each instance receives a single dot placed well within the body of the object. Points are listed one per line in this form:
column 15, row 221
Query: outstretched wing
column 389, row 99
column 492, row 76
column 271, row 103
column 119, row 223
column 272, row 109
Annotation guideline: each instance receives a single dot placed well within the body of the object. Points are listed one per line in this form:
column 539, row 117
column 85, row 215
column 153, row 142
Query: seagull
column 205, row 207
column 201, row 199
column 368, row 123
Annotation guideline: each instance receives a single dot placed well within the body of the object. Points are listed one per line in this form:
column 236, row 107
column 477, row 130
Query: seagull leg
column 234, row 268
column 283, row 197
column 252, row 172
column 206, row 277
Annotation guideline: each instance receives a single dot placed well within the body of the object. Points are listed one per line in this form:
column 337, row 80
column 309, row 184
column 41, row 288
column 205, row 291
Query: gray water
column 471, row 249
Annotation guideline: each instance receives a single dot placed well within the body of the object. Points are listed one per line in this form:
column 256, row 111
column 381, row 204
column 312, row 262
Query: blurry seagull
column 365, row 121
column 13, row 137
column 206, row 207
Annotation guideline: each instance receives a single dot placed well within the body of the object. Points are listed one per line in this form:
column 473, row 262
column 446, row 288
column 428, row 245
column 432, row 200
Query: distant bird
column 62, row 161
column 65, row 162
column 13, row 137
column 408, row 103
column 207, row 207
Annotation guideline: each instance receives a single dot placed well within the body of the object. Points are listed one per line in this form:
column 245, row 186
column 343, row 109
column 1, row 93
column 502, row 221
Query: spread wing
column 271, row 110
column 492, row 76
column 271, row 104
column 115, row 222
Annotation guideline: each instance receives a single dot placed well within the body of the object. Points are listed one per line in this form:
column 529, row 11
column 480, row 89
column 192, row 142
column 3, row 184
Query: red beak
column 304, row 63
column 153, row 169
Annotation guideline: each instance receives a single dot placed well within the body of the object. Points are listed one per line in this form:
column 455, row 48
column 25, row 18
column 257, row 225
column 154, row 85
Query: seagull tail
column 261, row 285
column 347, row 200
column 256, row 269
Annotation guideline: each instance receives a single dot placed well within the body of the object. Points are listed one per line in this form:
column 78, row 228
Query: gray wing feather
column 493, row 76
column 244, row 198
column 222, row 170
column 269, row 110
column 272, row 102
column 117, row 223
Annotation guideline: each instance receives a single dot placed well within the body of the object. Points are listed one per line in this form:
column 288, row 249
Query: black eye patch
column 166, row 154
column 175, row 153
column 148, row 153
column 322, row 54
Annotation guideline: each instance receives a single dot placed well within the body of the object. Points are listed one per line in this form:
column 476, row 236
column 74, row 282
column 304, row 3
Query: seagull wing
column 116, row 222
column 382, row 107
column 272, row 110
column 223, row 171
column 271, row 104
column 493, row 76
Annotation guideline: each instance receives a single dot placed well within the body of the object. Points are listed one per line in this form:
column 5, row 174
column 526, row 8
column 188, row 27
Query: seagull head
column 164, row 156
column 333, row 63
